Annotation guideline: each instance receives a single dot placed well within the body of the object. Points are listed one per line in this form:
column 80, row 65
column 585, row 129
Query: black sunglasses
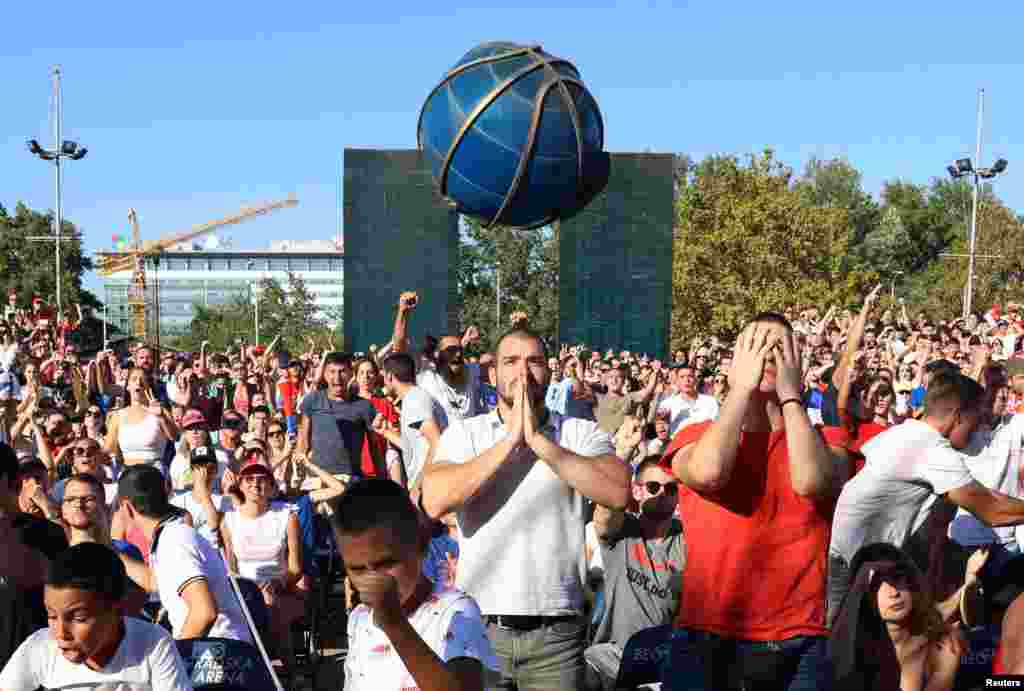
column 654, row 487
column 84, row 450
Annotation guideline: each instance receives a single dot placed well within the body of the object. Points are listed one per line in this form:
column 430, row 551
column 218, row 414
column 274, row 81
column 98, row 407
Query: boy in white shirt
column 88, row 643
column 408, row 633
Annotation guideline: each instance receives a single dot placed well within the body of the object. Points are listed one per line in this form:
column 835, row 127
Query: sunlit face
column 86, row 457
column 686, row 380
column 521, row 362
column 82, row 506
column 256, row 487
column 337, row 376
column 136, row 381
column 656, row 492
column 82, row 623
column 614, row 381
column 144, row 358
column 366, row 376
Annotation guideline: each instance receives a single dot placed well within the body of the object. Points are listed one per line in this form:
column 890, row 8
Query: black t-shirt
column 41, row 534
column 338, row 431
column 21, row 610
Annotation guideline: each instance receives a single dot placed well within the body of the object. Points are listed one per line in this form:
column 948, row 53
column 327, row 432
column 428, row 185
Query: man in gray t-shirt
column 643, row 557
column 422, row 418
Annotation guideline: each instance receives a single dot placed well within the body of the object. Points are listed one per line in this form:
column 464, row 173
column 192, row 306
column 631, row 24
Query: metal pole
column 105, row 321
column 257, row 316
column 497, row 273
column 60, row 214
column 969, row 294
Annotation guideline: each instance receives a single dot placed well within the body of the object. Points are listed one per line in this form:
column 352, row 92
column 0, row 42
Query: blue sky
column 191, row 110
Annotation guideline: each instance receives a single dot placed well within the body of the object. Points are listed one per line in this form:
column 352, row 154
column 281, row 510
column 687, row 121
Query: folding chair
column 220, row 664
column 644, row 657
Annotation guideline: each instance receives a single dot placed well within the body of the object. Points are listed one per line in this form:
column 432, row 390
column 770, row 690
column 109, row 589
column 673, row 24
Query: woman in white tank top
column 262, row 542
column 138, row 434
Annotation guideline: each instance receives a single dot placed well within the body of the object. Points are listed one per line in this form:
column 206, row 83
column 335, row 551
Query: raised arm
column 707, row 466
column 812, row 467
column 856, row 335
column 399, row 337
column 993, row 508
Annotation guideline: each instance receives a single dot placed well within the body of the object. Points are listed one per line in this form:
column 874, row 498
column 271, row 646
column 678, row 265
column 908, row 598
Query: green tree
column 836, row 184
column 747, row 240
column 528, row 262
column 28, row 265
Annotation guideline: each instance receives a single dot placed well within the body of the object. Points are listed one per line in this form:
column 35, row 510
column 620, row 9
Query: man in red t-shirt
column 759, row 487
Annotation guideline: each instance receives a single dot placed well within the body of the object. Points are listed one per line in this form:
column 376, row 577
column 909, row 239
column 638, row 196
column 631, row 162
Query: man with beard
column 516, row 480
column 643, row 556
column 335, row 423
column 454, row 383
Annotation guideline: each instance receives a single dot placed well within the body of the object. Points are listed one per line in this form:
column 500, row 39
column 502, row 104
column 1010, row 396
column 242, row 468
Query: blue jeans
column 702, row 661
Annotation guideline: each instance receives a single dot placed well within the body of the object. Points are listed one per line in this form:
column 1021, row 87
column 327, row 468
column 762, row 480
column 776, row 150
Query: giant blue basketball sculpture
column 513, row 137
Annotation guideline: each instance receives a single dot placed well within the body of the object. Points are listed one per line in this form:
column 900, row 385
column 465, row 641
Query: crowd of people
column 830, row 500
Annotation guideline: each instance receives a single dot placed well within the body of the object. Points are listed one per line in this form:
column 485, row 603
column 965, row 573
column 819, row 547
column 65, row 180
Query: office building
column 211, row 275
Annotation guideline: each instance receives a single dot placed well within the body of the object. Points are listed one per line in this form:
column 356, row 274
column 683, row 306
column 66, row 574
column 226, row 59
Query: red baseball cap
column 193, row 417
column 254, row 466
column 36, row 298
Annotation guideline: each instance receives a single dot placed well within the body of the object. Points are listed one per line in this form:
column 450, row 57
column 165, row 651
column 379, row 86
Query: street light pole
column 61, row 149
column 972, row 250
column 60, row 198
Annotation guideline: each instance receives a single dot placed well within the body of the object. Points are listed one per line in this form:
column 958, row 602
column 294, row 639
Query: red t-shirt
column 756, row 551
column 865, row 432
column 376, row 441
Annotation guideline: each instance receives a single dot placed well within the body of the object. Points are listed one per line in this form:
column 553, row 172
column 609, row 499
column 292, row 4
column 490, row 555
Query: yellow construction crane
column 134, row 260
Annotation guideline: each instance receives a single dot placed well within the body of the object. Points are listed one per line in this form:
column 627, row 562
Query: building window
column 218, row 264
column 279, row 263
column 319, row 264
column 336, row 263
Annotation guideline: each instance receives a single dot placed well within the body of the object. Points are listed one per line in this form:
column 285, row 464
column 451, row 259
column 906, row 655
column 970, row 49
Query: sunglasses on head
column 655, row 487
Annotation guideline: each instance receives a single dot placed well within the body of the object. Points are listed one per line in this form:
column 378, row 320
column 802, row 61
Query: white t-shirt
column 146, row 660
column 688, row 411
column 418, row 407
column 449, row 622
column 994, row 459
column 907, row 467
column 522, row 533
column 261, row 544
column 182, row 556
column 200, row 520
column 457, row 405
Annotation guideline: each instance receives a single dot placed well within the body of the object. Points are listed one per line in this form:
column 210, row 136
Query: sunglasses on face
column 275, row 433
column 92, row 413
column 654, row 487
column 85, row 450
column 81, row 501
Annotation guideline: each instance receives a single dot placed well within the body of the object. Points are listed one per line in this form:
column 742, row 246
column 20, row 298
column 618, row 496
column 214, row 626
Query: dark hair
column 949, row 390
column 401, row 366
column 146, row 489
column 771, row 318
column 89, row 566
column 374, row 502
column 93, row 482
column 521, row 332
column 8, row 465
column 340, row 359
column 32, row 467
